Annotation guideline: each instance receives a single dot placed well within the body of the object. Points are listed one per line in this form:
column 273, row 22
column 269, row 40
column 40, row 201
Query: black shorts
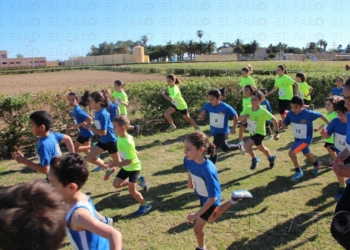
column 82, row 139
column 244, row 124
column 206, row 215
column 283, row 105
column 183, row 112
column 132, row 175
column 326, row 144
column 111, row 147
column 347, row 161
column 307, row 102
column 257, row 139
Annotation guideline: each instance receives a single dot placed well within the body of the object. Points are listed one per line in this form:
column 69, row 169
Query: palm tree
column 254, row 47
column 180, row 50
column 199, row 34
column 169, row 49
column 211, row 46
column 19, row 56
column 238, row 46
column 322, row 43
column 311, row 47
column 191, row 48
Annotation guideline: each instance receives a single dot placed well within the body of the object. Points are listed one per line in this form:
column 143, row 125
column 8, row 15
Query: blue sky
column 57, row 29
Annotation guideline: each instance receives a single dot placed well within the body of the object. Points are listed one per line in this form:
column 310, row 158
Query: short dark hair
column 70, row 168
column 297, row 100
column 31, row 217
column 122, row 120
column 217, row 92
column 42, row 117
column 302, row 76
column 251, row 87
column 258, row 94
column 340, row 107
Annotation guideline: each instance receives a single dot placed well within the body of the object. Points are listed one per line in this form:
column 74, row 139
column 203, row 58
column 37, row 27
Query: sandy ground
column 11, row 84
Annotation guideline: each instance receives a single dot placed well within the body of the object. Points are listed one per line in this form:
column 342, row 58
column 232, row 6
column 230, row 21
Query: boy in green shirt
column 130, row 165
column 305, row 90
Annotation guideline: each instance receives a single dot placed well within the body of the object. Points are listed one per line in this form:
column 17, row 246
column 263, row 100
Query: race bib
column 339, row 141
column 123, row 158
column 116, row 102
column 263, row 106
column 299, row 130
column 199, row 185
column 217, row 120
column 175, row 102
column 281, row 93
column 252, row 126
column 97, row 124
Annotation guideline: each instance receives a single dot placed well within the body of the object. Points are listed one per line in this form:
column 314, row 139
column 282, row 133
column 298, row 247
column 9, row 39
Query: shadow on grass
column 185, row 226
column 328, row 191
column 9, row 172
column 27, row 170
column 285, row 232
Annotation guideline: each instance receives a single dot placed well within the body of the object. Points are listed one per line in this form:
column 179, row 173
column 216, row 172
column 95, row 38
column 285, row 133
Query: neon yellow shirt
column 330, row 117
column 246, row 80
column 127, row 151
column 285, row 87
column 257, row 120
column 304, row 89
column 247, row 102
column 177, row 100
column 122, row 95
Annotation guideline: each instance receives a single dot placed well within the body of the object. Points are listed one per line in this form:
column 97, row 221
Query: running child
column 129, row 164
column 338, row 91
column 284, row 84
column 121, row 100
column 113, row 108
column 219, row 113
column 80, row 117
column 177, row 103
column 18, row 226
column 337, row 128
column 302, row 129
column 203, row 178
column 331, row 114
column 85, row 228
column 265, row 104
column 99, row 101
column 48, row 145
column 246, row 78
column 246, row 102
column 305, row 90
column 256, row 118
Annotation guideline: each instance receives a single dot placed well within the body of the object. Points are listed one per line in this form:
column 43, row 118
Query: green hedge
column 147, row 104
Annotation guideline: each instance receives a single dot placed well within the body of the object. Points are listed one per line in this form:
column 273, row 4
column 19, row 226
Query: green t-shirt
column 304, row 89
column 122, row 95
column 247, row 102
column 330, row 117
column 127, row 151
column 245, row 81
column 177, row 100
column 285, row 87
column 257, row 120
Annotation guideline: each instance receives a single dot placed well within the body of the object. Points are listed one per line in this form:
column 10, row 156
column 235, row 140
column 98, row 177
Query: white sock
column 232, row 201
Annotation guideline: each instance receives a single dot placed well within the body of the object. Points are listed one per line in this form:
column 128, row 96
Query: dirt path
column 11, row 84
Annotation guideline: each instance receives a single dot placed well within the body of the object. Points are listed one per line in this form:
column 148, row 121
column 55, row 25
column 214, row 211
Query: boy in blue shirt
column 337, row 127
column 84, row 225
column 48, row 145
column 302, row 129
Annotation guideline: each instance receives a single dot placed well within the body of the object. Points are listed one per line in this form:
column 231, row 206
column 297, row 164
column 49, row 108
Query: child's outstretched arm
column 69, row 143
column 296, row 86
column 166, row 96
column 76, row 126
column 19, row 157
column 190, row 182
column 275, row 125
column 271, row 91
column 83, row 220
column 235, row 121
column 119, row 164
column 118, row 111
column 319, row 128
column 325, row 134
column 310, row 91
column 325, row 119
column 122, row 102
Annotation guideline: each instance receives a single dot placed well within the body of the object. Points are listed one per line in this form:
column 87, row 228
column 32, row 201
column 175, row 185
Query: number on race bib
column 339, row 141
column 281, row 93
column 299, row 130
column 252, row 126
column 217, row 120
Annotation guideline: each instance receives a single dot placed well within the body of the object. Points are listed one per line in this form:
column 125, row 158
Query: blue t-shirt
column 79, row 116
column 302, row 127
column 266, row 105
column 112, row 110
column 218, row 117
column 336, row 91
column 85, row 240
column 348, row 130
column 338, row 129
column 103, row 122
column 48, row 147
column 205, row 179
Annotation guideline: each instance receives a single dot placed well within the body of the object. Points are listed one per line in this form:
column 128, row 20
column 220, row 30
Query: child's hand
column 163, row 92
column 86, row 126
column 233, row 130
column 316, row 129
column 341, row 170
column 276, row 137
column 139, row 153
column 192, row 217
column 119, row 100
column 201, row 114
column 112, row 164
column 324, row 133
column 190, row 185
column 18, row 156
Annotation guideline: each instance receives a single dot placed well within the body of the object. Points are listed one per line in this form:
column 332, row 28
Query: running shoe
column 143, row 209
column 316, row 168
column 108, row 173
column 272, row 159
column 255, row 163
column 171, row 129
column 297, row 176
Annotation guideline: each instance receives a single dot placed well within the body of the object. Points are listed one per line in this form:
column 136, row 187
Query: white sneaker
column 241, row 149
column 241, row 194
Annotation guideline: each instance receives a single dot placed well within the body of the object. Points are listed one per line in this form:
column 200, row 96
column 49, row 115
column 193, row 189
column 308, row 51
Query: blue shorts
column 300, row 145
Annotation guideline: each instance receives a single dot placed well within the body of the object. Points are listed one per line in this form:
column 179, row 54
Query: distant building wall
column 218, row 57
column 51, row 63
column 22, row 62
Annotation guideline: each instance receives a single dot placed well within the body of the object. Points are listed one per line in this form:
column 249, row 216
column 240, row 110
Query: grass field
column 282, row 215
column 257, row 65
